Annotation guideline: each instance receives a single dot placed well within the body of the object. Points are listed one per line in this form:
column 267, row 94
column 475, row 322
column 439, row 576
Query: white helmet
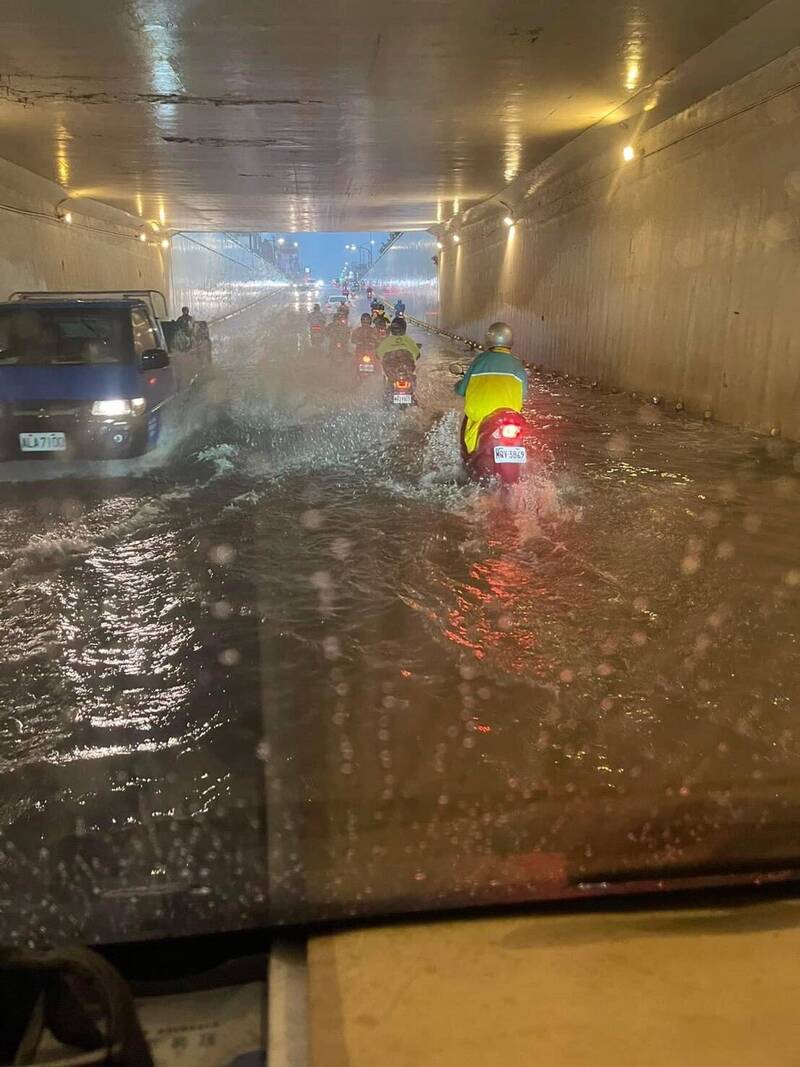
column 499, row 335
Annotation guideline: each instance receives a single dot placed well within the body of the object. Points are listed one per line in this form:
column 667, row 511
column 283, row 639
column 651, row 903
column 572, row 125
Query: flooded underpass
column 291, row 667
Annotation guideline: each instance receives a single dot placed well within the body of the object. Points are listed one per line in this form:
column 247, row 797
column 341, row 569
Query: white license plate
column 367, row 368
column 510, row 454
column 401, row 398
column 42, row 442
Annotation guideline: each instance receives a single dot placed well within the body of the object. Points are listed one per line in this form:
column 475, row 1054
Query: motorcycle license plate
column 401, row 398
column 367, row 368
column 510, row 454
column 42, row 442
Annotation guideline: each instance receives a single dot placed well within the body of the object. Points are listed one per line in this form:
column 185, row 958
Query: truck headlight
column 112, row 409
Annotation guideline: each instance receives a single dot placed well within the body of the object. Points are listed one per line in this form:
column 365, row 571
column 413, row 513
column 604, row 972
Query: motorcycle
column 338, row 338
column 401, row 382
column 381, row 327
column 366, row 362
column 316, row 336
column 503, row 448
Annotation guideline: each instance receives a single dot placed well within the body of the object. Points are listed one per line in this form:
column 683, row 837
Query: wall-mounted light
column 439, row 245
column 165, row 243
column 155, row 227
column 628, row 153
column 142, row 236
column 508, row 220
column 456, row 239
column 61, row 213
column 281, row 240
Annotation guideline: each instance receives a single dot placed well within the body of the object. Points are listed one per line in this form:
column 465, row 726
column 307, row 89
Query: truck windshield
column 70, row 335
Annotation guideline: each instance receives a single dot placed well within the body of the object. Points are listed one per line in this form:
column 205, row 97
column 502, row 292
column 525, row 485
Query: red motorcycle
column 502, row 451
column 316, row 335
column 504, row 445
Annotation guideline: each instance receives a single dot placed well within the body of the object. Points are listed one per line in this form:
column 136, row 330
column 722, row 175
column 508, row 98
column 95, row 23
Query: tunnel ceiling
column 305, row 115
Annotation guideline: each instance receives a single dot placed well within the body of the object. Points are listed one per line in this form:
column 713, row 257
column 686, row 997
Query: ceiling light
column 456, row 239
column 628, row 153
column 67, row 217
column 439, row 245
column 509, row 220
column 165, row 243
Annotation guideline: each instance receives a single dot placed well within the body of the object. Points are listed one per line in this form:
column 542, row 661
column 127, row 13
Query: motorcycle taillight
column 401, row 383
column 508, row 430
column 366, row 359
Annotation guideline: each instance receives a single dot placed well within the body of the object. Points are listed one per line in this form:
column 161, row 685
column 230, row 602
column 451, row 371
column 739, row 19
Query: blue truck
column 92, row 374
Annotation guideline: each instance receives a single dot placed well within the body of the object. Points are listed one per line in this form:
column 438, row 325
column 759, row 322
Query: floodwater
column 290, row 666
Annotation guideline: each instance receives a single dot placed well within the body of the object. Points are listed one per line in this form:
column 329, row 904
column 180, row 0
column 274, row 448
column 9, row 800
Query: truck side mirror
column 154, row 359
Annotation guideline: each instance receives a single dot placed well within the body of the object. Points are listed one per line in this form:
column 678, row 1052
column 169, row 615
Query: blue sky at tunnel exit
column 325, row 252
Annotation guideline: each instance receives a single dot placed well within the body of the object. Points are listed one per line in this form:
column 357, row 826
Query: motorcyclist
column 400, row 307
column 495, row 379
column 369, row 293
column 379, row 314
column 364, row 337
column 342, row 313
column 398, row 349
column 338, row 333
column 185, row 328
column 316, row 317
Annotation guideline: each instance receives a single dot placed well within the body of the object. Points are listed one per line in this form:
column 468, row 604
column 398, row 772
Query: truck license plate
column 42, row 442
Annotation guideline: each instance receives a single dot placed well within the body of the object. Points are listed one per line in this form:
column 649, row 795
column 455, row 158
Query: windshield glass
column 40, row 336
column 479, row 584
column 303, row 669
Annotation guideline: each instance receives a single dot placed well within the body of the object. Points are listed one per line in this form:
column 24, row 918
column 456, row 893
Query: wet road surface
column 290, row 667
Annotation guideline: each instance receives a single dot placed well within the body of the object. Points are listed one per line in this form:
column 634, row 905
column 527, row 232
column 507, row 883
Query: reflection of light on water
column 131, row 675
column 105, row 751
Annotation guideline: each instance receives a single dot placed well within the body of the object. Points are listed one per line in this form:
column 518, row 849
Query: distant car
column 335, row 301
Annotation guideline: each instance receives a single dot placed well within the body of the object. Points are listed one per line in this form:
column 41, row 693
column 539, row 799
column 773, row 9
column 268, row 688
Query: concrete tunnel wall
column 406, row 269
column 677, row 274
column 99, row 250
column 214, row 273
